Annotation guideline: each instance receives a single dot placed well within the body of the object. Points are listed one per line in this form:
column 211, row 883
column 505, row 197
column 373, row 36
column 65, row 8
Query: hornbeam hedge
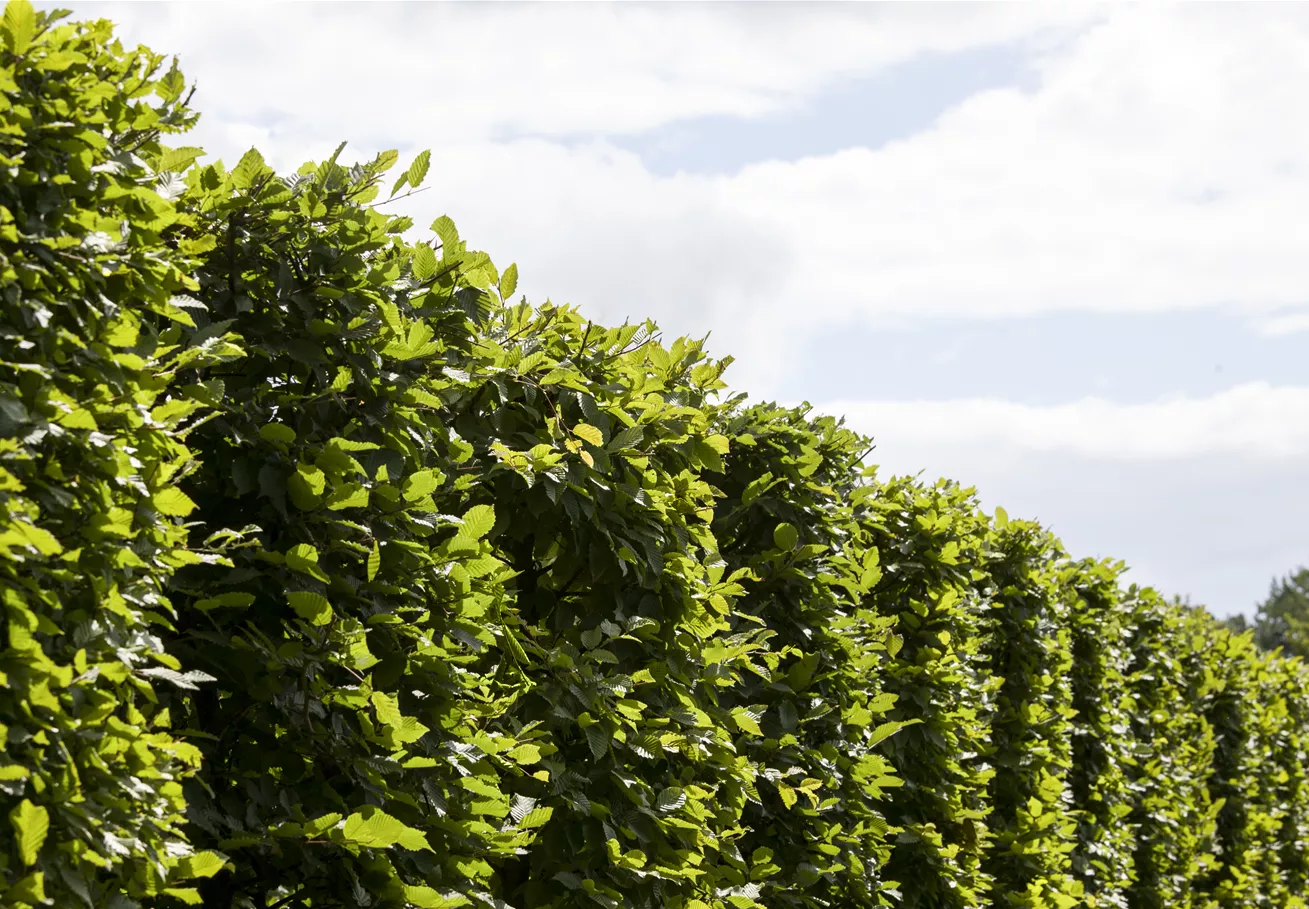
column 336, row 576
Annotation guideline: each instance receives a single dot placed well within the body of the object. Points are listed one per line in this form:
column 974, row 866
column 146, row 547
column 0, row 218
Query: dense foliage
column 478, row 603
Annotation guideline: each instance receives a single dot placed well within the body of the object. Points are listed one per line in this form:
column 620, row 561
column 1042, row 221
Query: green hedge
column 336, row 576
column 96, row 343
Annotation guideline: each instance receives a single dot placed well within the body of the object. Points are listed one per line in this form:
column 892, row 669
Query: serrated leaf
column 201, row 864
column 321, row 825
column 374, row 828
column 426, row 898
column 745, row 722
column 177, row 160
column 172, row 502
column 509, row 281
column 186, row 680
column 526, row 753
column 477, row 522
column 349, row 495
column 248, row 169
column 38, row 537
column 374, row 561
column 537, row 817
column 312, row 607
column 19, row 25
column 671, row 799
column 597, row 740
column 189, row 896
column 384, row 160
column 417, row 171
column 418, row 484
column 424, row 263
column 444, row 228
column 304, row 558
column 886, row 730
column 588, row 433
column 31, row 825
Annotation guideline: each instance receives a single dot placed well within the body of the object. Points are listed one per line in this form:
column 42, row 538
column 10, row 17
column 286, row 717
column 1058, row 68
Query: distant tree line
column 1282, row 619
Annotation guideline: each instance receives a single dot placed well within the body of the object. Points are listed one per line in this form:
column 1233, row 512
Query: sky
column 1052, row 251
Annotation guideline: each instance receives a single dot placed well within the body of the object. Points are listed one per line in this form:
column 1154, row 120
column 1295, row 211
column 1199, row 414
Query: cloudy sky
column 1054, row 252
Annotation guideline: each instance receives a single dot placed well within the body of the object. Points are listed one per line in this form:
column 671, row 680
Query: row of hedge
column 334, row 578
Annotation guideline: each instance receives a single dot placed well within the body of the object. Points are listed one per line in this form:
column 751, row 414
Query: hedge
column 335, row 574
column 95, row 403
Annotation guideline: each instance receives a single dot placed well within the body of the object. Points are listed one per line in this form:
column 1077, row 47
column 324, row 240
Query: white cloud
column 1256, row 421
column 1201, row 497
column 1154, row 167
column 1282, row 324
column 443, row 72
column 1215, row 527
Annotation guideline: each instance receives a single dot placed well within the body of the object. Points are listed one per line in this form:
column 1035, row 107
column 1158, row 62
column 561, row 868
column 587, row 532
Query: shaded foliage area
column 334, row 576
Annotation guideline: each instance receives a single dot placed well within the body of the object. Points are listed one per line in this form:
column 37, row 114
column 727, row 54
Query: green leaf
column 248, row 169
column 349, row 495
column 670, row 799
column 382, row 163
column 304, row 558
column 418, row 170
column 188, row 895
column 588, row 433
column 38, row 537
column 526, row 754
column 374, row 561
column 31, row 825
column 230, row 600
column 172, row 84
column 424, row 262
column 427, row 898
column 886, row 730
column 177, row 160
column 419, row 484
column 306, row 486
column 201, row 864
column 321, row 825
column 19, row 25
column 312, row 607
column 537, row 817
column 29, row 890
column 277, row 432
column 444, row 228
column 746, row 722
column 509, row 281
column 802, row 672
column 477, row 522
column 375, row 828
column 785, row 536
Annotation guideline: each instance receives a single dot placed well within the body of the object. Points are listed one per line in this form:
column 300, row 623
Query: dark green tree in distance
column 1282, row 620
